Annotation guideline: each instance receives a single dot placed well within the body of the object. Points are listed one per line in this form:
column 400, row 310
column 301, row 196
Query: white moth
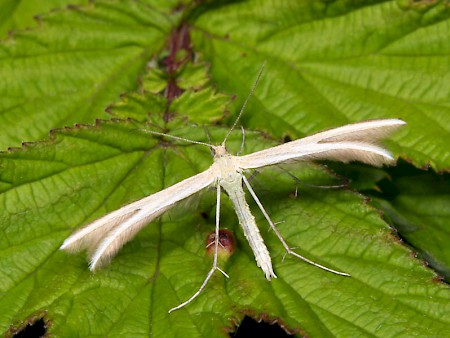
column 104, row 237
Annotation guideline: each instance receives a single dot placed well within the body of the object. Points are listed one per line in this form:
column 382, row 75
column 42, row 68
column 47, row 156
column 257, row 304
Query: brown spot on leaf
column 227, row 243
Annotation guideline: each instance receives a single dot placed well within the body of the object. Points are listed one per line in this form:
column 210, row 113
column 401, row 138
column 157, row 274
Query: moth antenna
column 177, row 138
column 208, row 135
column 245, row 103
column 243, row 141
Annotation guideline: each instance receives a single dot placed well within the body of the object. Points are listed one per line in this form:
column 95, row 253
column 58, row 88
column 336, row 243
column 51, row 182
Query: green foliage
column 175, row 67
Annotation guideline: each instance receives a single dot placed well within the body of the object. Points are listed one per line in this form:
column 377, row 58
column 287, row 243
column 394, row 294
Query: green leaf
column 199, row 102
column 94, row 170
column 415, row 202
column 418, row 206
column 76, row 63
column 21, row 14
column 175, row 66
column 337, row 62
column 323, row 71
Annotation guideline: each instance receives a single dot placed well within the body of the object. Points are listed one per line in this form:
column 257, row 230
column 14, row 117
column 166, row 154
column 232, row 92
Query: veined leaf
column 21, row 14
column 417, row 204
column 86, row 172
column 337, row 62
column 177, row 65
column 74, row 65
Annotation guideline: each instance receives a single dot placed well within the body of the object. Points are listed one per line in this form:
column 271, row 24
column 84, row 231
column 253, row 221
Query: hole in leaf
column 32, row 330
column 251, row 328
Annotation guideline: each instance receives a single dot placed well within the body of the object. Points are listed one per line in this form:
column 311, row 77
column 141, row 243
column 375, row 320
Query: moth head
column 219, row 151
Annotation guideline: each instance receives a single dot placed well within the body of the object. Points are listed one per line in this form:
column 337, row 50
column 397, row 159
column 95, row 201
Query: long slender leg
column 253, row 175
column 214, row 267
column 299, row 181
column 286, row 246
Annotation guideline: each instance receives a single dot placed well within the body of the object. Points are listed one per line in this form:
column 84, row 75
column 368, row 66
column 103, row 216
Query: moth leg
column 253, row 175
column 344, row 183
column 212, row 243
column 286, row 246
column 214, row 267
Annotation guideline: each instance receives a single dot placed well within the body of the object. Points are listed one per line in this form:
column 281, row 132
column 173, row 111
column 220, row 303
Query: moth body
column 229, row 176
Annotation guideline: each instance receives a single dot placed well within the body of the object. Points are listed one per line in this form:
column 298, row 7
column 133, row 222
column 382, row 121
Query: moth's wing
column 104, row 237
column 353, row 142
